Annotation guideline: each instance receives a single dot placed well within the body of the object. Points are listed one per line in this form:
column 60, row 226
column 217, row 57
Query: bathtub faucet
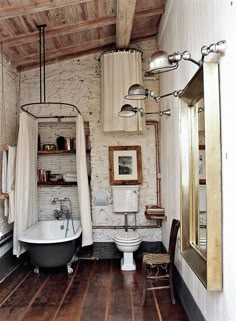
column 57, row 214
column 62, row 212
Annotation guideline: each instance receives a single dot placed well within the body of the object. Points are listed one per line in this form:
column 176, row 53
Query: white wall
column 78, row 81
column 188, row 25
column 8, row 130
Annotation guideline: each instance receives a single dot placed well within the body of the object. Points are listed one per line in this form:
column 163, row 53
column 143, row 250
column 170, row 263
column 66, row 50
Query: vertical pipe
column 126, row 222
column 40, row 63
column 157, row 144
column 44, row 68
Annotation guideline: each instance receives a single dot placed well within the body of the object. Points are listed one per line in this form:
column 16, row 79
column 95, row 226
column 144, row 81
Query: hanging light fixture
column 128, row 110
column 138, row 92
column 160, row 61
column 29, row 108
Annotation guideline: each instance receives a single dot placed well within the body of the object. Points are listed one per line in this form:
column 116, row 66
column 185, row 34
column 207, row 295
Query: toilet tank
column 125, row 198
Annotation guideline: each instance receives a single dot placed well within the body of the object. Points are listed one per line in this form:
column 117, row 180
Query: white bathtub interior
column 51, row 231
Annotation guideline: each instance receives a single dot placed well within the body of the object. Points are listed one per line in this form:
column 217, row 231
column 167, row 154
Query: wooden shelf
column 57, row 183
column 157, row 217
column 55, row 152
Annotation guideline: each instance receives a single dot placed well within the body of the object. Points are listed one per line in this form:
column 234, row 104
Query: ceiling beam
column 74, row 28
column 35, row 7
column 124, row 24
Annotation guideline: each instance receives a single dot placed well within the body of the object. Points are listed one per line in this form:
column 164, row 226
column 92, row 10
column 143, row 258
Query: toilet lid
column 130, row 235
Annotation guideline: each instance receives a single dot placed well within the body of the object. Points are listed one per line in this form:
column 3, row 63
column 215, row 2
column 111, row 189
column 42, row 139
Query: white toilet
column 125, row 200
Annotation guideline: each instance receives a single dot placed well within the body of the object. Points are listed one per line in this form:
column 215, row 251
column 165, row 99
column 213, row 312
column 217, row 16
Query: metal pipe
column 44, row 66
column 117, row 227
column 158, row 180
column 40, row 63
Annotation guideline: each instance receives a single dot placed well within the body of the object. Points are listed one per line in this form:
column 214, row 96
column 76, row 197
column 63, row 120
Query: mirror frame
column 204, row 84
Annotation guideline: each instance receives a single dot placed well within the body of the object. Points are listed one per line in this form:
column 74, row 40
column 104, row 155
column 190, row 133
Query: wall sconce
column 138, row 92
column 160, row 61
column 129, row 111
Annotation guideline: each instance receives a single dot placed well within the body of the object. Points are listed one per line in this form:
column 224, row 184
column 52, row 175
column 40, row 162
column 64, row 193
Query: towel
column 8, row 182
column 70, row 177
column 4, row 181
column 70, row 174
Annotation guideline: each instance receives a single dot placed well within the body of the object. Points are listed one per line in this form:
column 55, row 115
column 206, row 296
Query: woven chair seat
column 153, row 258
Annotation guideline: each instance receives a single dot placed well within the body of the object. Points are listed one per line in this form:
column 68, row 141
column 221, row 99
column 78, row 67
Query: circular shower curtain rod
column 42, row 79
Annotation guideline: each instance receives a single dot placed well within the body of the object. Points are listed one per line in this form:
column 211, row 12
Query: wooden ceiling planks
column 29, row 7
column 74, row 28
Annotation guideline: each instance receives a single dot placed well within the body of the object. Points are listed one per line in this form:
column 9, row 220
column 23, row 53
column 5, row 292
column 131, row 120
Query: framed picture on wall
column 125, row 165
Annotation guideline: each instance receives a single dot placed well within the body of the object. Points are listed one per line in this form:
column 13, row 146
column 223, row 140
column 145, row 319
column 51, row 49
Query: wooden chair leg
column 172, row 295
column 144, row 283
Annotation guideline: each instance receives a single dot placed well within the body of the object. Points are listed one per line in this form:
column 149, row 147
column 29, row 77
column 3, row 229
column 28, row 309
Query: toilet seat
column 129, row 236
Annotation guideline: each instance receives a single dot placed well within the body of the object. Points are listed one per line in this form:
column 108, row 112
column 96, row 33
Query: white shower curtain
column 26, row 213
column 83, row 186
column 120, row 70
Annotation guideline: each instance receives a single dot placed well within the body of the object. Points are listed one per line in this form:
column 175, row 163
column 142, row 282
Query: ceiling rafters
column 35, row 7
column 62, row 31
column 124, row 24
column 75, row 51
column 74, row 27
column 82, row 26
column 66, row 50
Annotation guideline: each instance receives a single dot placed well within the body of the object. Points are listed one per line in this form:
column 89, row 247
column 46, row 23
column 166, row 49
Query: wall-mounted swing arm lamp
column 138, row 92
column 160, row 61
column 128, row 110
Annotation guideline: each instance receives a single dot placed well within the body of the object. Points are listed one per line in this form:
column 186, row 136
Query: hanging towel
column 8, row 182
column 4, row 181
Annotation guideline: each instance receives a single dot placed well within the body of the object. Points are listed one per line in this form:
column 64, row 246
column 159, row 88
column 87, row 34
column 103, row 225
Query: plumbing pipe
column 157, row 144
column 116, row 227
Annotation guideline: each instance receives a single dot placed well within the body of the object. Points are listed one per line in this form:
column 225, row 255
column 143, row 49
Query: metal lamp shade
column 159, row 62
column 127, row 111
column 136, row 92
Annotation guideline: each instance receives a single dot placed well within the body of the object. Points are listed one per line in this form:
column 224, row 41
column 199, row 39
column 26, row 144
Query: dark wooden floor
column 97, row 291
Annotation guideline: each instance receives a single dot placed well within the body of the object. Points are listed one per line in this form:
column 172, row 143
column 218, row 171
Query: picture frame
column 125, row 165
column 202, row 165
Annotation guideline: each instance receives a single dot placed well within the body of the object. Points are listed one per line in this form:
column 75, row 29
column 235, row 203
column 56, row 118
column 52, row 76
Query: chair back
column 173, row 236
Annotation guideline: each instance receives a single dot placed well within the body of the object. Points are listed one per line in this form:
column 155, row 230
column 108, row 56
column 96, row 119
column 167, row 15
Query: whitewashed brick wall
column 78, row 82
column 8, row 127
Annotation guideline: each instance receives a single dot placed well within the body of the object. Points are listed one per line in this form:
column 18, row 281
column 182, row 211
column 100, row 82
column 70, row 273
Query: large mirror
column 201, row 239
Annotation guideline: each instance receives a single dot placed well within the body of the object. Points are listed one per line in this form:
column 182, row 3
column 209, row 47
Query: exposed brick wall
column 78, row 82
column 8, row 128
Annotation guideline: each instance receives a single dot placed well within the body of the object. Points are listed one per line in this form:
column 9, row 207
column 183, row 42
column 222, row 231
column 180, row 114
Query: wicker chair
column 158, row 268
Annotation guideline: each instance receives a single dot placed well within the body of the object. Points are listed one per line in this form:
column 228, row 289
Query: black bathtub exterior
column 53, row 254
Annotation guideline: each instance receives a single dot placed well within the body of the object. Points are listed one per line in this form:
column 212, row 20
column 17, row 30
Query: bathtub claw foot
column 36, row 270
column 69, row 270
column 74, row 259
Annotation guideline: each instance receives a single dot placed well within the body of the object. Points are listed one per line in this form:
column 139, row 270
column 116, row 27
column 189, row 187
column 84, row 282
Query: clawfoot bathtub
column 52, row 243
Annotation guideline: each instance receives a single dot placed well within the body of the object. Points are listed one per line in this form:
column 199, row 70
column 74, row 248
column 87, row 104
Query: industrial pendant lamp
column 161, row 61
column 138, row 92
column 130, row 111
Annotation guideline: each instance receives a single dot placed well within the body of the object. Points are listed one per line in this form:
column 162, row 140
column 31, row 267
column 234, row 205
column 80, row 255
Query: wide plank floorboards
column 97, row 291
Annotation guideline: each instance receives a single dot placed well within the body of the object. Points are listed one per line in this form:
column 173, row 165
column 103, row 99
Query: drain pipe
column 155, row 123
